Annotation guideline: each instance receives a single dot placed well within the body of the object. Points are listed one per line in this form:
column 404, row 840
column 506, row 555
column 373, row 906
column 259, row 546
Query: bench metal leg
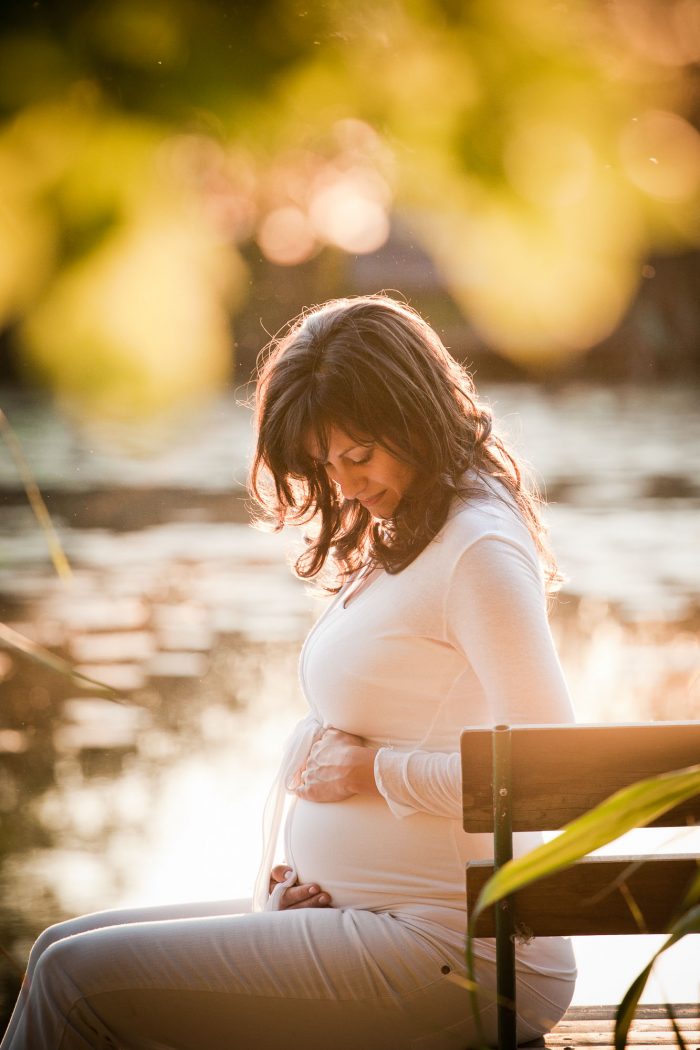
column 505, row 917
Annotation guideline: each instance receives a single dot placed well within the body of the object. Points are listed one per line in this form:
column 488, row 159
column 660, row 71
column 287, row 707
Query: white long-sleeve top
column 459, row 637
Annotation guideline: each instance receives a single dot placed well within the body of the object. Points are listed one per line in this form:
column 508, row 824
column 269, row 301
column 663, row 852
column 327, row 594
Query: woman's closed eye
column 329, row 468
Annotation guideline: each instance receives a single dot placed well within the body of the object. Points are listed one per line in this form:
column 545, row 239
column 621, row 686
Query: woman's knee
column 68, row 928
column 53, row 979
column 58, row 932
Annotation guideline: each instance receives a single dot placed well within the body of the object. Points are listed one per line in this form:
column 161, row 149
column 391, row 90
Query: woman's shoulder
column 484, row 508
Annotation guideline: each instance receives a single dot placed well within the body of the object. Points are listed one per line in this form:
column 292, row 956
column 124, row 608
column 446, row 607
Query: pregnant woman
column 419, row 522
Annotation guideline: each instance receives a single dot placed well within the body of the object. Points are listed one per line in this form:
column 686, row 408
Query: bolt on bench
column 539, row 778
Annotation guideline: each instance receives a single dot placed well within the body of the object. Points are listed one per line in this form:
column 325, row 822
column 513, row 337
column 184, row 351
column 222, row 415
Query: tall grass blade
column 14, row 640
column 632, row 807
column 463, row 982
column 635, row 910
column 36, row 500
column 680, row 1041
column 692, row 897
column 687, row 923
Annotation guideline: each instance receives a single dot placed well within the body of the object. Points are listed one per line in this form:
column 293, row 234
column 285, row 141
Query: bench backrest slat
column 587, row 898
column 559, row 772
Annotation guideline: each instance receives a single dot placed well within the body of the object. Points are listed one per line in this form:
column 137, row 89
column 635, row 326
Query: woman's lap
column 191, row 977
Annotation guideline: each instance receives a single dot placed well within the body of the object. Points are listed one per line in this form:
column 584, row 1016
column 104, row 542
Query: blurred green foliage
column 539, row 151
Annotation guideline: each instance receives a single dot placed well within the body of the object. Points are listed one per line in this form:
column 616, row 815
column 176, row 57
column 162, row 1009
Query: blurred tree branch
column 540, row 152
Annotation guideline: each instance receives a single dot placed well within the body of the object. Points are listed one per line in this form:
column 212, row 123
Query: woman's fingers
column 334, row 736
column 340, row 736
column 307, row 895
column 335, row 768
column 280, row 873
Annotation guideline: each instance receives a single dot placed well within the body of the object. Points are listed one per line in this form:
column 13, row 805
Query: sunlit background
column 179, row 178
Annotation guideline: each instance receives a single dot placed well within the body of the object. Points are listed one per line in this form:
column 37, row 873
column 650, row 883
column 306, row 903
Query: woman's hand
column 338, row 766
column 300, row 895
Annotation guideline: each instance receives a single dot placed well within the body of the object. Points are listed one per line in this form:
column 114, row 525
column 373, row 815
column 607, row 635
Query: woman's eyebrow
column 322, row 462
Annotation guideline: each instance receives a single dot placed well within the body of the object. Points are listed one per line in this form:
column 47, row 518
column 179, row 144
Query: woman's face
column 365, row 472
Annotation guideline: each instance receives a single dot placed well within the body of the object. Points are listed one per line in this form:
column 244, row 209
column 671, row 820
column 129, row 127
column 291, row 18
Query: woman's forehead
column 331, row 441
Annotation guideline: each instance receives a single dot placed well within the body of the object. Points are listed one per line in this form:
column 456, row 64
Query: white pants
column 213, row 976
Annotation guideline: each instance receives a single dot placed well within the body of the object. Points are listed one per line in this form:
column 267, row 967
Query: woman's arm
column 420, row 782
column 495, row 614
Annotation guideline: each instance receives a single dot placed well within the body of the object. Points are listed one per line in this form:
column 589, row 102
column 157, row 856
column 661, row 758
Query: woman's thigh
column 128, row 916
column 237, row 980
column 230, row 980
column 219, row 981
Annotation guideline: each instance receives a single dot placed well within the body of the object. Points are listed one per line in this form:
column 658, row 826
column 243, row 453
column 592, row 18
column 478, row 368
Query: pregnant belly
column 365, row 857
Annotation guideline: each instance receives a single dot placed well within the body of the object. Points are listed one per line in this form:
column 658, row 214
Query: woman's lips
column 374, row 500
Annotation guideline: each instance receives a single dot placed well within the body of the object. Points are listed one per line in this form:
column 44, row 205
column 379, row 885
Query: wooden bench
column 538, row 778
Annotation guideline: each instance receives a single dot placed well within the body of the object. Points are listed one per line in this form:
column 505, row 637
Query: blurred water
column 178, row 603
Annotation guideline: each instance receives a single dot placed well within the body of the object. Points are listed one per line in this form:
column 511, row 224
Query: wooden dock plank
column 593, row 1026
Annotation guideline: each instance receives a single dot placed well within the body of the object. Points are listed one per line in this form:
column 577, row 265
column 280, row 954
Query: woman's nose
column 351, row 483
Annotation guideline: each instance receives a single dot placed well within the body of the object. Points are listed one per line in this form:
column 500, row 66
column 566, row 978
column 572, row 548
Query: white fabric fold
column 296, row 751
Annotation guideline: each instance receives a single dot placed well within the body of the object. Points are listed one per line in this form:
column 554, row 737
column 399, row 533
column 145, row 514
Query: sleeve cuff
column 389, row 776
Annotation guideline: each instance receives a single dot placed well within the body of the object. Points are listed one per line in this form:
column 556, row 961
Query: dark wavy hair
column 371, row 366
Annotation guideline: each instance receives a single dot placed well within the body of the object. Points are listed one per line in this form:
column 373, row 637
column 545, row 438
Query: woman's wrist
column 363, row 779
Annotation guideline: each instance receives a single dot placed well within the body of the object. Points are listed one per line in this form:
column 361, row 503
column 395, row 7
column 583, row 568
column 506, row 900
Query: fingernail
column 312, row 890
column 323, row 899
